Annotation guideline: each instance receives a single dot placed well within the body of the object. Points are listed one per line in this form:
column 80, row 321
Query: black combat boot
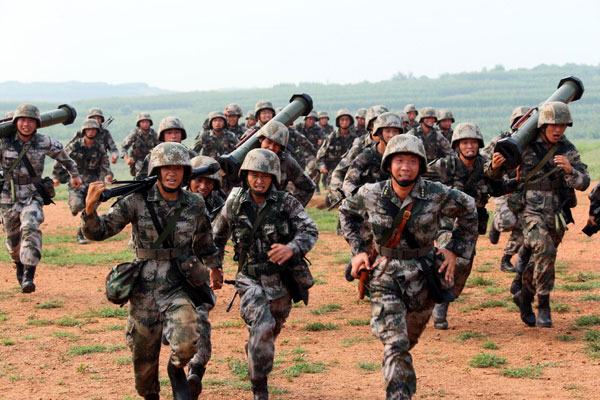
column 523, row 300
column 494, row 235
column 195, row 374
column 439, row 316
column 153, row 396
column 80, row 238
column 179, row 383
column 544, row 319
column 260, row 390
column 506, row 265
column 19, row 268
column 517, row 284
column 27, row 286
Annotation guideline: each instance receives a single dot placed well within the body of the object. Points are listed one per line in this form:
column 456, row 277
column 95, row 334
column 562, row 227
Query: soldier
column 403, row 282
column 594, row 205
column 104, row 136
column 250, row 120
column 263, row 112
column 360, row 127
column 324, row 122
column 208, row 186
column 464, row 171
column 218, row 140
column 274, row 137
column 21, row 198
column 92, row 162
column 436, row 145
column 445, row 119
column 315, row 136
column 411, row 112
column 233, row 113
column 161, row 300
column 271, row 234
column 141, row 140
column 550, row 171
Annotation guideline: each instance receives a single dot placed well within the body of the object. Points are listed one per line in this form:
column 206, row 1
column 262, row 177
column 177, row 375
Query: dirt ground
column 76, row 350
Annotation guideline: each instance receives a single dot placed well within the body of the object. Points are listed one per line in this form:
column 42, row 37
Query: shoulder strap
column 22, row 156
column 163, row 234
column 243, row 256
column 538, row 167
column 400, row 220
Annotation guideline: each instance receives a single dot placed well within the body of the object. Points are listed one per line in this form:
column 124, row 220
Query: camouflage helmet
column 410, row 107
column 323, row 114
column 9, row 115
column 387, row 120
column 404, row 144
column 263, row 105
column 233, row 109
column 205, row 161
column 427, row 112
column 250, row 115
column 555, row 112
column 169, row 154
column 402, row 116
column 143, row 116
column 214, row 115
column 445, row 113
column 467, row 130
column 361, row 113
column 517, row 113
column 275, row 131
column 373, row 112
column 312, row 114
column 90, row 123
column 262, row 160
column 95, row 112
column 341, row 112
column 27, row 111
column 170, row 123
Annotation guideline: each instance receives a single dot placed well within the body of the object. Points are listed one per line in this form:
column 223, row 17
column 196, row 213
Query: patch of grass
column 57, row 303
column 319, row 281
column 486, row 360
column 239, row 368
column 494, row 290
column 116, row 347
column 7, row 342
column 560, row 307
column 117, row 327
column 488, row 344
column 86, row 349
column 580, row 286
column 582, row 277
column 3, row 316
column 565, row 338
column 326, row 220
column 588, row 320
column 479, row 281
column 342, row 258
column 590, row 297
column 106, row 312
column 368, row 366
column 54, row 239
column 355, row 340
column 69, row 321
column 229, row 324
column 326, row 308
column 592, row 336
column 304, row 367
column 319, row 326
column 359, row 322
column 58, row 256
column 33, row 321
column 530, row 372
column 469, row 335
column 229, row 382
column 64, row 335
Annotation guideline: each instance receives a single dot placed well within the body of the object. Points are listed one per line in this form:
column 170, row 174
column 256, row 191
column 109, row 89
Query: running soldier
column 445, row 119
column 141, row 141
column 411, row 112
column 271, row 234
column 594, row 205
column 233, row 113
column 208, row 186
column 217, row 140
column 263, row 112
column 21, row 199
column 436, row 145
column 103, row 136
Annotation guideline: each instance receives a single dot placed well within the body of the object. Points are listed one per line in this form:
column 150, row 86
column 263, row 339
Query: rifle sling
column 20, row 156
column 541, row 164
column 163, row 234
column 256, row 223
column 392, row 242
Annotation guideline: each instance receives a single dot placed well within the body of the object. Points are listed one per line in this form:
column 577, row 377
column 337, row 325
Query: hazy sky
column 202, row 45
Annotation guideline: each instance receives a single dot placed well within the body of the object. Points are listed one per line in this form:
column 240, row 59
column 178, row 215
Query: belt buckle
column 407, row 214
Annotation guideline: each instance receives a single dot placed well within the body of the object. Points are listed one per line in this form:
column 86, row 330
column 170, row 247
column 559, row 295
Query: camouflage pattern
column 27, row 111
column 250, row 117
column 366, row 168
column 517, row 113
column 343, row 112
column 159, row 303
column 410, row 107
column 436, row 145
column 214, row 201
column 95, row 112
column 298, row 145
column 141, row 144
column 327, row 128
column 426, row 112
column 204, row 161
column 238, row 130
column 169, row 154
column 292, row 172
column 333, row 148
column 322, row 114
column 555, row 112
column 275, row 131
column 400, row 304
column 505, row 220
column 213, row 144
column 315, row 136
column 361, row 113
column 387, row 120
column 595, row 198
column 9, row 115
column 467, row 130
column 262, row 160
column 90, row 124
column 171, row 123
column 143, row 173
column 263, row 105
column 103, row 137
column 143, row 116
column 445, row 113
column 373, row 112
column 216, row 114
column 233, row 109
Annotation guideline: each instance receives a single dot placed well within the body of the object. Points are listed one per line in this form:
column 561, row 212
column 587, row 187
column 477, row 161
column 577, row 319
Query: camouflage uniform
column 408, row 108
column 360, row 131
column 436, row 145
column 400, row 300
column 595, row 198
column 141, row 144
column 265, row 300
column 103, row 137
column 212, row 143
column 334, row 147
column 298, row 146
column 327, row 128
column 214, row 201
column 249, row 117
column 315, row 136
column 235, row 109
column 160, row 305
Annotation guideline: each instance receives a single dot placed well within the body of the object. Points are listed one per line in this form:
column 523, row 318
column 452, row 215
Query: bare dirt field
column 65, row 341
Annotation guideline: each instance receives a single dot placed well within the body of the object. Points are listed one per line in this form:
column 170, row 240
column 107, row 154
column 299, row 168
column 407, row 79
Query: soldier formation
column 412, row 201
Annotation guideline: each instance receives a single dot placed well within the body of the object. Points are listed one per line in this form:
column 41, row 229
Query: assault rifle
column 106, row 123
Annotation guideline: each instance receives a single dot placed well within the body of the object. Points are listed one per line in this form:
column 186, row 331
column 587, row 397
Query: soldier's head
column 170, row 161
column 323, row 118
column 96, row 113
column 372, row 113
column 445, row 119
column 250, row 119
column 264, row 111
column 427, row 117
column 90, row 128
column 233, row 112
column 171, row 129
column 144, row 121
column 411, row 112
column 205, row 183
column 258, row 171
column 404, row 118
column 404, row 159
column 310, row 120
column 217, row 121
column 273, row 136
column 467, row 140
column 360, row 117
column 554, row 117
column 343, row 119
column 516, row 115
column 27, row 119
column 386, row 126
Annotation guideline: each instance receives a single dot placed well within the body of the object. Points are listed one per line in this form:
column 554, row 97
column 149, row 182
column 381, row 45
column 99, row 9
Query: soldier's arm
column 461, row 207
column 302, row 182
column 352, row 179
column 579, row 178
column 322, row 153
column 441, row 169
column 305, row 229
column 221, row 229
column 57, row 152
column 101, row 227
column 127, row 144
column 595, row 197
column 104, row 165
column 143, row 174
column 203, row 244
column 352, row 214
column 110, row 143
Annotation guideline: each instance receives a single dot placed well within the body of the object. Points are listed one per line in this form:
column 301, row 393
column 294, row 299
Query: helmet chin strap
column 404, row 183
column 259, row 194
column 168, row 189
column 467, row 157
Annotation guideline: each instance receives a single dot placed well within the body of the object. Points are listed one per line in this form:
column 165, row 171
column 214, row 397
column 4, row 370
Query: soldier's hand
column 360, row 262
column 94, row 191
column 216, row 278
column 280, row 253
column 497, row 160
column 109, row 178
column 592, row 220
column 76, row 182
column 128, row 160
column 113, row 158
column 449, row 264
column 324, row 171
column 56, row 182
column 563, row 162
column 518, row 173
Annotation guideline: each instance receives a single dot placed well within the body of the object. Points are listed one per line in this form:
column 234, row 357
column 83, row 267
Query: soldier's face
column 412, row 115
column 469, row 147
column 251, row 121
column 360, row 121
column 344, row 122
column 202, row 185
column 218, row 124
column 232, row 120
column 554, row 132
column 405, row 166
column 91, row 133
column 259, row 181
column 98, row 119
column 388, row 133
column 144, row 124
column 269, row 144
column 171, row 176
column 172, row 135
column 265, row 116
column 26, row 125
column 309, row 122
column 446, row 123
column 323, row 121
column 428, row 121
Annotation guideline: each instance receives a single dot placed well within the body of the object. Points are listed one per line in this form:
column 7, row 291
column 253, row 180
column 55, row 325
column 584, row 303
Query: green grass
column 488, row 344
column 560, row 307
column 239, row 368
column 368, row 366
column 319, row 326
column 68, row 321
column 106, row 312
column 565, row 338
column 38, row 322
column 579, row 286
column 590, row 297
column 479, row 281
column 64, row 335
column 7, row 342
column 530, row 372
column 57, row 303
column 469, row 335
column 123, row 360
column 588, row 320
column 360, row 322
column 326, row 308
column 59, row 256
column 304, row 367
column 354, row 340
column 486, row 360
column 494, row 290
column 229, row 324
column 116, row 327
column 299, row 350
column 326, row 220
column 583, row 277
column 86, row 349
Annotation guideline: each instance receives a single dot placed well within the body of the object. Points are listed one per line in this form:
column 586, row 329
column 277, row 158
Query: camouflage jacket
column 143, row 174
column 41, row 146
column 414, row 125
column 213, row 145
column 104, row 137
column 333, row 149
column 159, row 279
column 595, row 199
column 436, row 145
column 378, row 204
column 141, row 144
column 447, row 135
column 299, row 144
column 214, row 203
column 237, row 130
column 327, row 129
column 339, row 173
column 366, row 168
column 488, row 151
column 92, row 163
column 314, row 134
column 360, row 132
column 292, row 172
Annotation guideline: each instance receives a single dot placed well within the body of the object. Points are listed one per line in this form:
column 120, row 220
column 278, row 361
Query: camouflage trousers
column 21, row 226
column 204, row 352
column 264, row 319
column 76, row 198
column 183, row 328
column 313, row 170
column 400, row 310
column 507, row 221
column 542, row 238
column 463, row 265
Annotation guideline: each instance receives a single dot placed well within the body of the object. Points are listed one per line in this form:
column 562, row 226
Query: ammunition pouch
column 193, row 270
column 255, row 270
column 121, row 280
column 482, row 220
column 516, row 201
column 438, row 292
column 45, row 188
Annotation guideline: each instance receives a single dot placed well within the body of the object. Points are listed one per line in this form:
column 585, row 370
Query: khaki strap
column 402, row 254
column 158, row 254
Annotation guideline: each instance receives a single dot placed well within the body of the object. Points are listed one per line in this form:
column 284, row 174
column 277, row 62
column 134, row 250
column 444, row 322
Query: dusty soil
column 39, row 360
